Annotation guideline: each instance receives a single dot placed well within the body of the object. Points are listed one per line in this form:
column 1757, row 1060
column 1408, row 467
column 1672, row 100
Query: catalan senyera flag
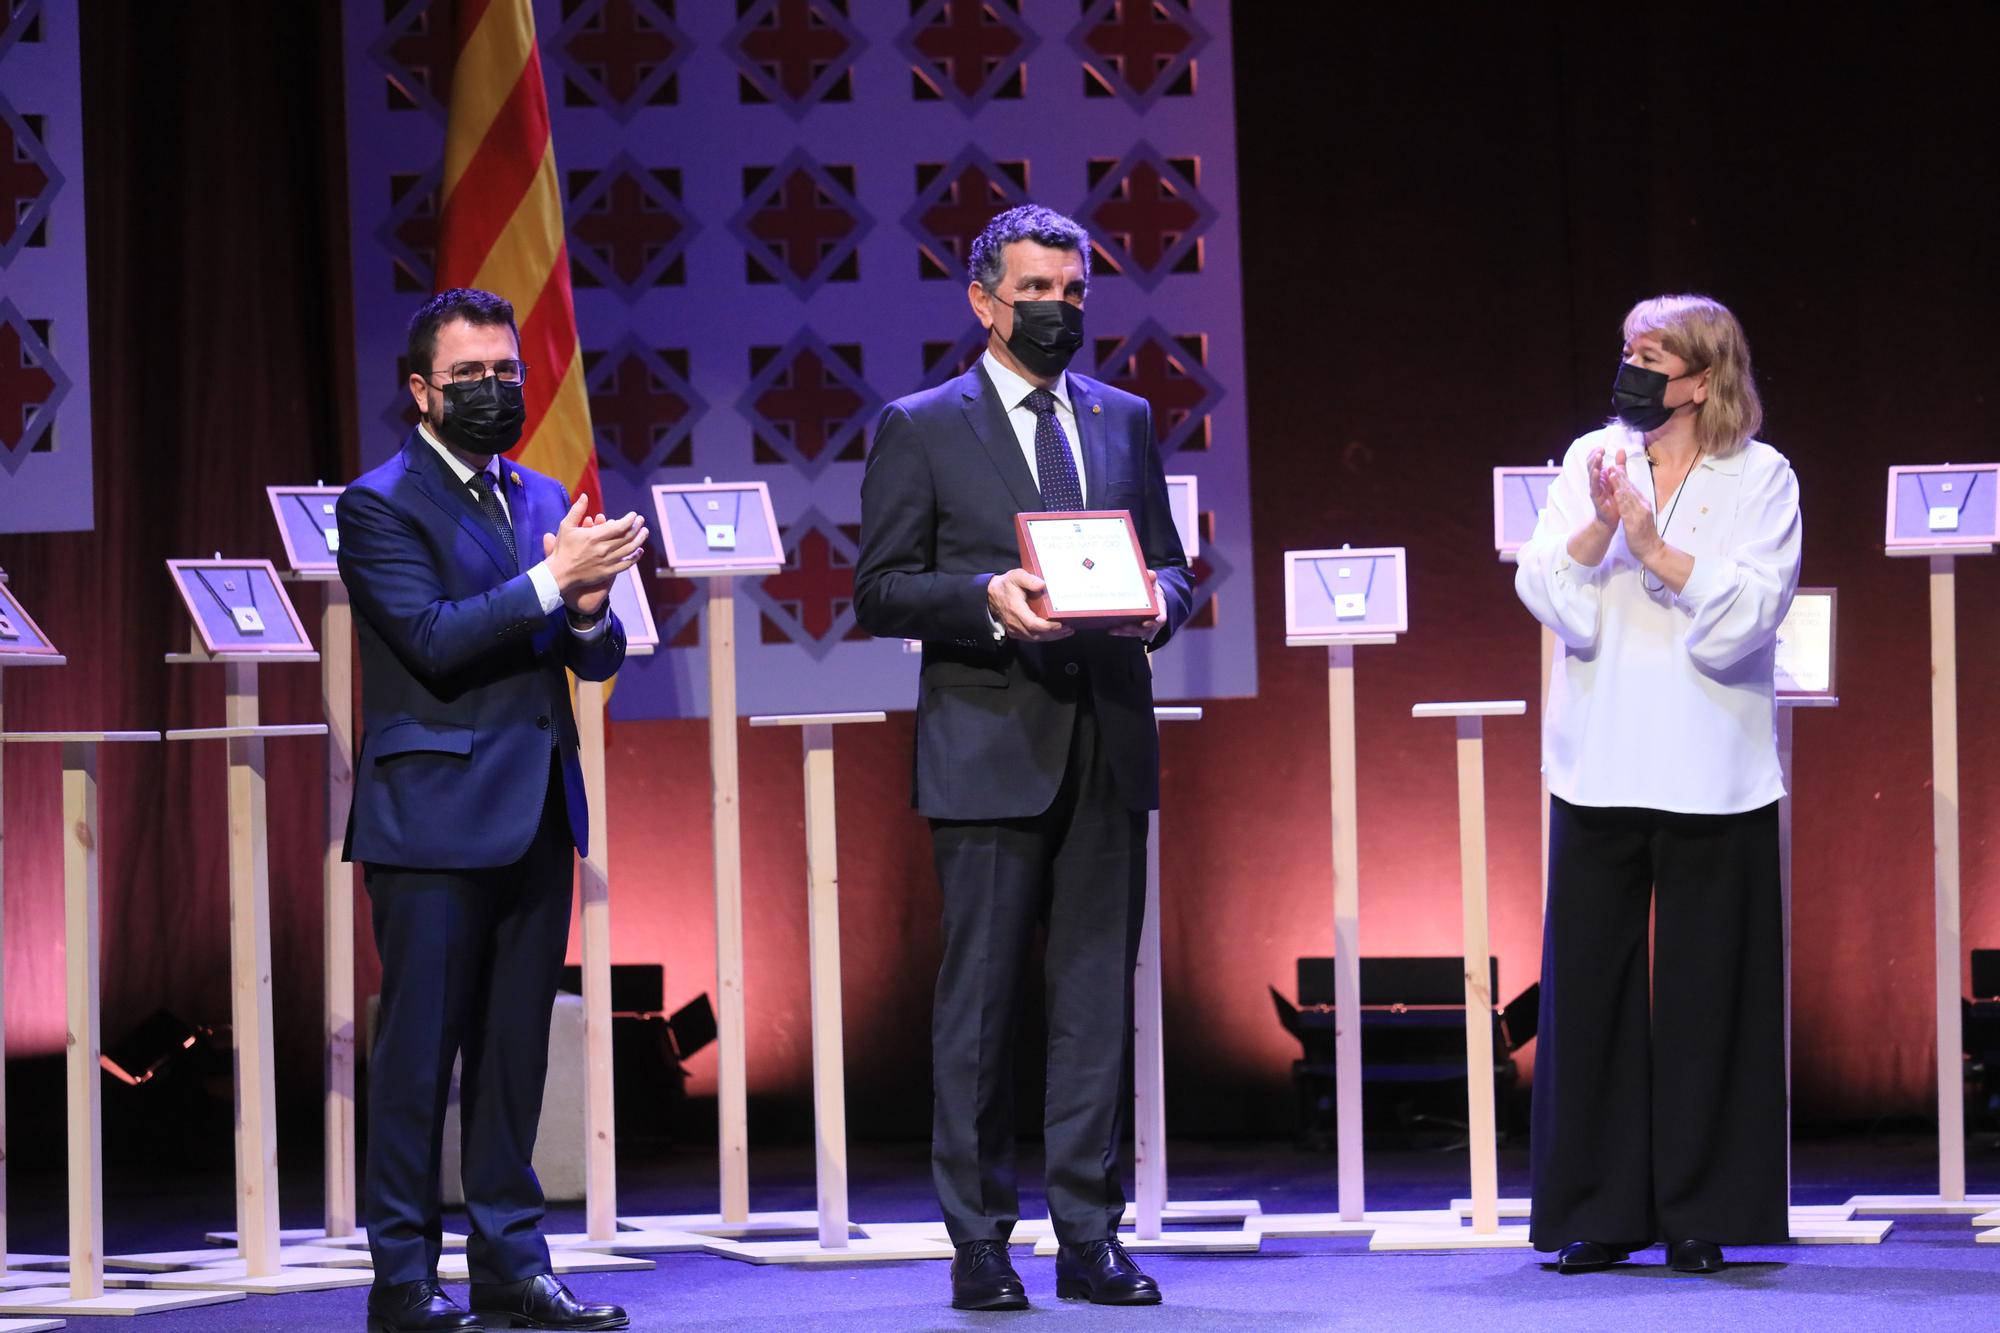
column 502, row 227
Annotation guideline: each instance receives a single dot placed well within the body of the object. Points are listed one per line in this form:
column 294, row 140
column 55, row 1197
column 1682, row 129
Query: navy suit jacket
column 463, row 691
column 945, row 477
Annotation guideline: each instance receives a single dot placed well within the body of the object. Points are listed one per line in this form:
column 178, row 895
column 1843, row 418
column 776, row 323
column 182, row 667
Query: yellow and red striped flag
column 502, row 228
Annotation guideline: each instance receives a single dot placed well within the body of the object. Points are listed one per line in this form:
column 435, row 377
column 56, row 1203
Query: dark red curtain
column 216, row 211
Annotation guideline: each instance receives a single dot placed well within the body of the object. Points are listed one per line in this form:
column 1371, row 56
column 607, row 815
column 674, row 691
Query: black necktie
column 1055, row 468
column 489, row 505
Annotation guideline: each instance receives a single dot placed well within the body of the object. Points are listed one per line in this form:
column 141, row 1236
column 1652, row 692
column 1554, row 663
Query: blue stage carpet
column 1929, row 1276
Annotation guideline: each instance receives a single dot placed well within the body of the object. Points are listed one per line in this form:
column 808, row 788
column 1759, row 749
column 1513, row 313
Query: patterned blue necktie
column 496, row 517
column 1054, row 465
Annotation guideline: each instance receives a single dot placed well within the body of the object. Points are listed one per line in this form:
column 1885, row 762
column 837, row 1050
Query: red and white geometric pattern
column 45, row 473
column 769, row 204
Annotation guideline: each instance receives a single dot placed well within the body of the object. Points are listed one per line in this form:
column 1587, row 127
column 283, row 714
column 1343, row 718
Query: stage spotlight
column 147, row 1050
column 1412, row 1039
column 649, row 1048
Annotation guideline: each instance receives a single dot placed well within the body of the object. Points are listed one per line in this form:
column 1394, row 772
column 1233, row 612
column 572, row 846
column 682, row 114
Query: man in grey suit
column 1037, row 756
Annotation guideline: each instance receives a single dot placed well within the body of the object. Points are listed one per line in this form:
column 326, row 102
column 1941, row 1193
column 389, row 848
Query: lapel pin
column 1095, row 408
column 516, row 476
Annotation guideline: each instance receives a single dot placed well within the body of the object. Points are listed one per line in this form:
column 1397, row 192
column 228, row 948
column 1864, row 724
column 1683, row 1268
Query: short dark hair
column 1027, row 222
column 466, row 303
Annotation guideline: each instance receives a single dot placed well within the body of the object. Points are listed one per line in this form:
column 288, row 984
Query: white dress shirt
column 1013, row 390
column 540, row 575
column 1662, row 701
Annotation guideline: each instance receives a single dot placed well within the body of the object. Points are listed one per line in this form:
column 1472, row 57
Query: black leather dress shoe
column 1587, row 1256
column 417, row 1307
column 1100, row 1272
column 1695, row 1256
column 983, row 1278
column 539, row 1302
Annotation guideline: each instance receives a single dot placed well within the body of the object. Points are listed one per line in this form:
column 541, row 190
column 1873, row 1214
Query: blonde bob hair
column 1702, row 333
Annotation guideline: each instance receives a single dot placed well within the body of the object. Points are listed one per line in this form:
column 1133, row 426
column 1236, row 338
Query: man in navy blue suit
column 468, row 809
column 1037, row 757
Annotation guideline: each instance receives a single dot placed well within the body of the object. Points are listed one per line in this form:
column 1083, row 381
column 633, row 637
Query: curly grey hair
column 1027, row 222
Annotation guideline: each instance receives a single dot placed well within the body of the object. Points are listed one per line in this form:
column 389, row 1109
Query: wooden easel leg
column 594, row 908
column 80, row 945
column 337, row 704
column 1149, row 1125
column 731, row 1077
column 1478, row 977
column 1944, row 820
column 3, row 976
column 1346, row 931
column 823, row 928
column 1785, row 915
column 250, row 983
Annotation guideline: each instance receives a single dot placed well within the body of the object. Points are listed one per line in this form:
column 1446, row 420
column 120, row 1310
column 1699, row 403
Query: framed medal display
column 1090, row 563
column 629, row 604
column 1184, row 498
column 1345, row 592
column 1805, row 644
column 718, row 528
column 239, row 606
column 306, row 524
column 1951, row 504
column 20, row 637
column 1520, row 494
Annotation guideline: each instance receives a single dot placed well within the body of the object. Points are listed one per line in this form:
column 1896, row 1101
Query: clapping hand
column 1603, row 488
column 1642, row 536
column 586, row 553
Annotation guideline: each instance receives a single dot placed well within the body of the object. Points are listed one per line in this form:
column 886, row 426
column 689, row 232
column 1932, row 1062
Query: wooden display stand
column 1519, row 496
column 836, row 1241
column 1309, row 628
column 1951, row 1197
column 756, row 551
column 1151, row 1208
column 1485, row 1231
column 22, row 643
column 602, row 1233
column 82, row 1290
column 305, row 519
column 260, row 1261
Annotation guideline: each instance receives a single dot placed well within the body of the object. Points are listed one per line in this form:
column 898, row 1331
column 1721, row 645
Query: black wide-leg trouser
column 1660, row 1109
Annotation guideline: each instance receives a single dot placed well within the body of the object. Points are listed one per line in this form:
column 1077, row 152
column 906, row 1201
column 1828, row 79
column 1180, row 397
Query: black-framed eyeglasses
column 507, row 371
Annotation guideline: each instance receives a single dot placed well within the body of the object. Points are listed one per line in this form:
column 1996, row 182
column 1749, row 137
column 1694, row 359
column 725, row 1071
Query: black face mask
column 484, row 417
column 1046, row 335
column 1639, row 397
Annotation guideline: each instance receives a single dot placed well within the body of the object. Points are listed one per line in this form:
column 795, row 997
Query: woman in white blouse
column 1664, row 562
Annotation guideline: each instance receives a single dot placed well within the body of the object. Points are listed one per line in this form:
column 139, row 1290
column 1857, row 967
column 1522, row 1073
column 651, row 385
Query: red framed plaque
column 1091, row 561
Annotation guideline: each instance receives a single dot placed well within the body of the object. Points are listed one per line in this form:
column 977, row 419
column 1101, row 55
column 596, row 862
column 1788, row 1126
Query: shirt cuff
column 545, row 587
column 1710, row 576
column 595, row 629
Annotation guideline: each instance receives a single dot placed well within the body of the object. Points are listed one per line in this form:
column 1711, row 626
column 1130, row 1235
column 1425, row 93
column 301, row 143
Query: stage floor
column 1929, row 1275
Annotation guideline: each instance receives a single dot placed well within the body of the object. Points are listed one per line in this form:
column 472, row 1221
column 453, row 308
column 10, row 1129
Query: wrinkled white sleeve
column 1736, row 602
column 1558, row 591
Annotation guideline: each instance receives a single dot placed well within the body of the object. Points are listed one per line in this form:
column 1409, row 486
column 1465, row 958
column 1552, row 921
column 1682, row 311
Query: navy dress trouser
column 1079, row 868
column 470, row 964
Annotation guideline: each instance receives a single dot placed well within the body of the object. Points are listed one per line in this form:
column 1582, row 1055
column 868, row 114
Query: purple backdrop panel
column 768, row 208
column 44, row 330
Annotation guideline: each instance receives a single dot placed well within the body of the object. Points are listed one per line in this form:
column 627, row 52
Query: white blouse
column 1661, row 701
